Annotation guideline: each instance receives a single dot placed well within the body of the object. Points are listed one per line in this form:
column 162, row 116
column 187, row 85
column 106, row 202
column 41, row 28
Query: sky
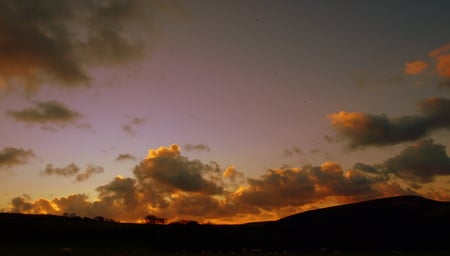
column 221, row 111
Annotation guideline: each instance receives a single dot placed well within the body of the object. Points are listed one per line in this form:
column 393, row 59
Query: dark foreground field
column 50, row 251
column 406, row 225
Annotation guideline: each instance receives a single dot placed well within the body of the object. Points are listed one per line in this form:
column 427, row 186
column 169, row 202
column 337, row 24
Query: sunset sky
column 221, row 111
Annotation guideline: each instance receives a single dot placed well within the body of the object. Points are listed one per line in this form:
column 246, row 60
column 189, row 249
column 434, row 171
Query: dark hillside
column 396, row 223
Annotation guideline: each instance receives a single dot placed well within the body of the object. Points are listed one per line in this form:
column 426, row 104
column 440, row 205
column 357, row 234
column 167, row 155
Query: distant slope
column 395, row 223
column 376, row 209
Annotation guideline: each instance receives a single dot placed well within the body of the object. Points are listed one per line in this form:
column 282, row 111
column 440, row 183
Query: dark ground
column 393, row 226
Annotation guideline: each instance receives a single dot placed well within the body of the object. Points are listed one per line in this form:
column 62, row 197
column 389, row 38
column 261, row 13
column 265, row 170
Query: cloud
column 443, row 65
column 440, row 60
column 120, row 189
column 58, row 42
column 90, row 169
column 421, row 162
column 46, row 112
column 129, row 126
column 363, row 130
column 290, row 152
column 122, row 157
column 232, row 174
column 67, row 171
column 167, row 167
column 445, row 84
column 442, row 57
column 415, row 67
column 10, row 156
column 439, row 51
column 72, row 170
column 300, row 186
column 169, row 185
column 197, row 147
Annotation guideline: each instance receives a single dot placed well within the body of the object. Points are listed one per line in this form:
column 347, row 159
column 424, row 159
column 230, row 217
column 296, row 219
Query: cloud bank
column 170, row 185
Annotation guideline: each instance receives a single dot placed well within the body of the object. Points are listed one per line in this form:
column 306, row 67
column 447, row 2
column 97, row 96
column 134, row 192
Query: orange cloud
column 442, row 56
column 415, row 67
column 171, row 151
column 439, row 51
column 443, row 65
column 349, row 120
column 168, row 185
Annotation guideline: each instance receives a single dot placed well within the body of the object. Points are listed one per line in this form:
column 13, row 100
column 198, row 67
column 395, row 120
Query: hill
column 395, row 223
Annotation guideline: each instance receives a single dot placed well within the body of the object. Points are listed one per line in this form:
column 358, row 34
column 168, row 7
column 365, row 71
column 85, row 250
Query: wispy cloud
column 196, row 147
column 415, row 67
column 122, row 157
column 47, row 114
column 293, row 150
column 72, row 170
column 131, row 123
column 11, row 156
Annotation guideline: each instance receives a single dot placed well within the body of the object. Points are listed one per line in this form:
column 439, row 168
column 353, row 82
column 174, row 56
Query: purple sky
column 253, row 109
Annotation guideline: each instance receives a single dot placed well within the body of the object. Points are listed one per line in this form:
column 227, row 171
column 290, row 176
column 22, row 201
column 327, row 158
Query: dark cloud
column 129, row 126
column 196, row 147
column 293, row 150
column 138, row 120
column 57, row 41
column 21, row 204
column 420, row 163
column 166, row 166
column 10, row 156
column 122, row 157
column 90, row 170
column 299, row 186
column 72, row 170
column 362, row 129
column 366, row 168
column 128, row 129
column 444, row 84
column 46, row 112
column 121, row 192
